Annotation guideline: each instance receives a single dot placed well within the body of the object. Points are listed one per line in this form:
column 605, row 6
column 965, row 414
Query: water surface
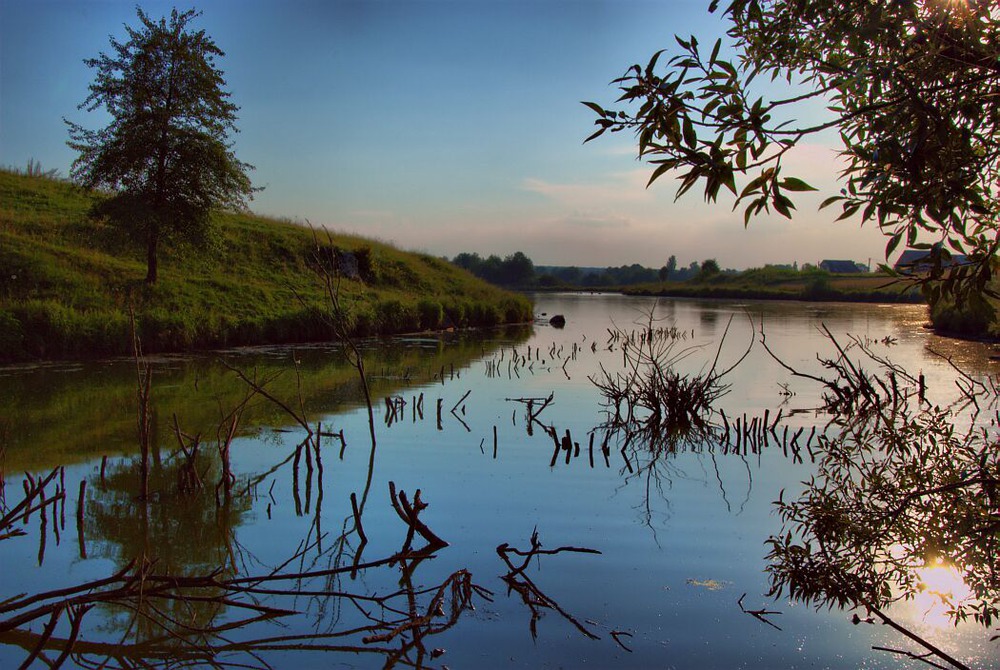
column 681, row 536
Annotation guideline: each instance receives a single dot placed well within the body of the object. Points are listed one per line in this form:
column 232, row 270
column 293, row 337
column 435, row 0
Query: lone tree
column 165, row 154
column 911, row 86
column 709, row 268
column 669, row 268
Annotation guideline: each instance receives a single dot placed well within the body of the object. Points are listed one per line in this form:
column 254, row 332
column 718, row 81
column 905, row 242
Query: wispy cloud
column 594, row 222
column 619, row 187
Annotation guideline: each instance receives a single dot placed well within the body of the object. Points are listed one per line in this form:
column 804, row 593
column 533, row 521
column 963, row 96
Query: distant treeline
column 517, row 270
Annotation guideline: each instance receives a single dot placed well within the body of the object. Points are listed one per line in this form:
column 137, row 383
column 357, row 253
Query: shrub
column 45, row 321
column 396, row 317
column 818, row 288
column 367, row 265
column 484, row 314
column 431, row 313
column 11, row 336
column 455, row 315
column 516, row 310
column 164, row 330
column 973, row 318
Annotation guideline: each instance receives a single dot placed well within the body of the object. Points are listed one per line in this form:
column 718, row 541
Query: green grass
column 785, row 284
column 67, row 281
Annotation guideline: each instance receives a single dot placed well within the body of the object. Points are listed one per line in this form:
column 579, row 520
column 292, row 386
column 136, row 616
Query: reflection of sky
column 408, row 121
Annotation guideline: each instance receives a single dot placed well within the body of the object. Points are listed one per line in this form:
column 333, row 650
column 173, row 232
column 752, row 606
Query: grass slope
column 67, row 281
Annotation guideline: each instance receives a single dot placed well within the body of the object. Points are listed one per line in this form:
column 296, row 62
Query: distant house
column 922, row 260
column 842, row 267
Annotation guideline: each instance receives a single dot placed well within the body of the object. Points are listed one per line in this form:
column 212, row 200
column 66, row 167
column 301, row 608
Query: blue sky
column 440, row 126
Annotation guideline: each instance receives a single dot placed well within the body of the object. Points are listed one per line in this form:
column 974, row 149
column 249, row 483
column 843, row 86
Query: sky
column 440, row 126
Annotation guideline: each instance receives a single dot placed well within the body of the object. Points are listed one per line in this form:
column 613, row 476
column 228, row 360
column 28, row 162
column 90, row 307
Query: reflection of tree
column 186, row 533
column 176, row 616
column 901, row 486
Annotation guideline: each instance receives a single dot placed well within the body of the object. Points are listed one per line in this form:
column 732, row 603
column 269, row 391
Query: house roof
column 917, row 258
column 839, row 266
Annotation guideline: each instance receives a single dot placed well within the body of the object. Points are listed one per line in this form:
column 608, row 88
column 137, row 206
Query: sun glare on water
column 942, row 588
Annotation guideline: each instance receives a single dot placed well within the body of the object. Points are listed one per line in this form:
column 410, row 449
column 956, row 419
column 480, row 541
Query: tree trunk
column 152, row 238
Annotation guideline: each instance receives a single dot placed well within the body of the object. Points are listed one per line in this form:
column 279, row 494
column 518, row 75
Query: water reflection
column 903, row 506
column 191, row 585
column 941, row 589
column 86, row 410
column 501, row 434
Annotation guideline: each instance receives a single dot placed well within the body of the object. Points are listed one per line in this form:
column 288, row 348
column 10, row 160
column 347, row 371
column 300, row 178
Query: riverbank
column 67, row 283
column 779, row 284
column 967, row 322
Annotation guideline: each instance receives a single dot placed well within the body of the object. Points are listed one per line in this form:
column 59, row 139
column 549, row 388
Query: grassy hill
column 67, row 281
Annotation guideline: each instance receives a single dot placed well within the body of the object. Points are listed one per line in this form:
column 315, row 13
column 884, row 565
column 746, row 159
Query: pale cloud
column 611, row 218
column 584, row 221
column 627, row 186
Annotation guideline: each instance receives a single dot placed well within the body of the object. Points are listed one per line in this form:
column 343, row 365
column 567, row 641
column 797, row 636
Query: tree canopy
column 515, row 269
column 911, row 86
column 165, row 154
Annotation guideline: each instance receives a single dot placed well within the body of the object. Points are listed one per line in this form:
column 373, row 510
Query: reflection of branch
column 454, row 410
column 760, row 615
column 33, row 488
column 531, row 410
column 970, row 388
column 187, row 647
column 532, row 596
column 898, row 485
column 924, row 658
column 919, row 640
column 151, row 597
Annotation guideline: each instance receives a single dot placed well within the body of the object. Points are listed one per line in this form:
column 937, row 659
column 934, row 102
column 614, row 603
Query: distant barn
column 842, row 267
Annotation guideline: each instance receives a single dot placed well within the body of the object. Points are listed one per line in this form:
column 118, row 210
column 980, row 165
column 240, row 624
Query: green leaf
column 783, row 206
column 594, row 106
column 849, row 210
column 794, row 184
column 690, row 136
column 729, row 180
column 893, row 243
column 652, row 61
column 595, row 135
column 657, row 172
column 753, row 186
column 741, row 159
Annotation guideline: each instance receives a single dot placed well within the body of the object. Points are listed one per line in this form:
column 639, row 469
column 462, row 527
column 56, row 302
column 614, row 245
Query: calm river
column 681, row 538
